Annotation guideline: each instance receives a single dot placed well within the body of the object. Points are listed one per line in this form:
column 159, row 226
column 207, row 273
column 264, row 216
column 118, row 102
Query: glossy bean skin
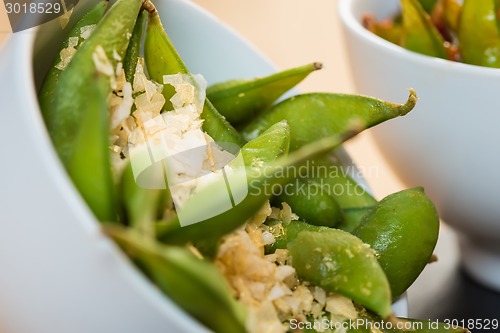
column 193, row 284
column 79, row 124
column 260, row 180
column 318, row 115
column 46, row 94
column 161, row 59
column 134, row 46
column 256, row 153
column 403, row 230
column 428, row 5
column 420, row 35
column 90, row 166
column 112, row 34
column 312, row 203
column 241, row 100
column 389, row 30
column 141, row 206
column 340, row 262
column 326, row 195
column 479, row 33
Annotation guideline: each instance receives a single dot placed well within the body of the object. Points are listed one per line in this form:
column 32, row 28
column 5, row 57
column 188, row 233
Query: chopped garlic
column 87, row 30
column 267, row 285
column 102, row 62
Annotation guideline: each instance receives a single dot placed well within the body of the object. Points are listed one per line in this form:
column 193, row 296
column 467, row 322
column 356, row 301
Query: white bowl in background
column 59, row 273
column 450, row 142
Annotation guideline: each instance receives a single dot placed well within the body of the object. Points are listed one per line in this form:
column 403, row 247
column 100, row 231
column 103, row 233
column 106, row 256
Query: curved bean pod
column 318, row 115
column 419, row 34
column 46, row 96
column 241, row 100
column 193, row 284
column 161, row 59
column 479, row 33
column 403, row 229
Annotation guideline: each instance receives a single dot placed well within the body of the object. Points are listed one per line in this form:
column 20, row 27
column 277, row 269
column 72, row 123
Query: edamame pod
column 134, row 47
column 389, row 30
column 256, row 154
column 403, row 230
column 260, row 181
column 352, row 217
column 47, row 90
column 326, row 194
column 420, row 35
column 318, row 115
column 141, row 205
column 340, row 262
column 193, row 284
column 428, row 5
column 479, row 33
column 89, row 166
column 79, row 124
column 112, row 35
column 312, row 202
column 240, row 100
column 161, row 59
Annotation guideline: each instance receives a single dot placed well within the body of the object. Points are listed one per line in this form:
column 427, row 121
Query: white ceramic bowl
column 59, row 273
column 450, row 143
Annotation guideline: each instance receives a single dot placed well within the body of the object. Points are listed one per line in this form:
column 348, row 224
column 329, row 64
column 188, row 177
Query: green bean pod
column 479, row 33
column 318, row 115
column 420, row 35
column 46, row 96
column 261, row 151
column 241, row 100
column 260, row 181
column 428, row 5
column 403, row 230
column 340, row 262
column 112, row 34
column 142, row 206
column 79, row 124
column 325, row 194
column 312, row 202
column 193, row 284
column 90, row 166
column 391, row 31
column 161, row 59
column 134, row 47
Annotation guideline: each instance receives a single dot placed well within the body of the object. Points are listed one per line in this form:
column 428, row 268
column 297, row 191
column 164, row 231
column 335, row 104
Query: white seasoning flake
column 66, row 55
column 87, row 30
column 116, row 56
column 120, row 113
column 102, row 62
column 73, row 41
column 341, row 306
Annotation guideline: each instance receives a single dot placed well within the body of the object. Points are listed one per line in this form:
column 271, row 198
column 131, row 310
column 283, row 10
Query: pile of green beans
column 348, row 243
column 448, row 29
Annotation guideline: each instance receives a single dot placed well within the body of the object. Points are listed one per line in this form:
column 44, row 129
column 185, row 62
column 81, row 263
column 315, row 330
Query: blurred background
column 296, row 32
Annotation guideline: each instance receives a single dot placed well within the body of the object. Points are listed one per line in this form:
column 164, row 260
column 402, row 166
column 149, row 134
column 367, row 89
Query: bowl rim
column 351, row 22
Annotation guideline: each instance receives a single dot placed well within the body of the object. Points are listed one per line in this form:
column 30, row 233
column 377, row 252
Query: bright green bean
column 403, row 229
column 315, row 116
column 241, row 100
